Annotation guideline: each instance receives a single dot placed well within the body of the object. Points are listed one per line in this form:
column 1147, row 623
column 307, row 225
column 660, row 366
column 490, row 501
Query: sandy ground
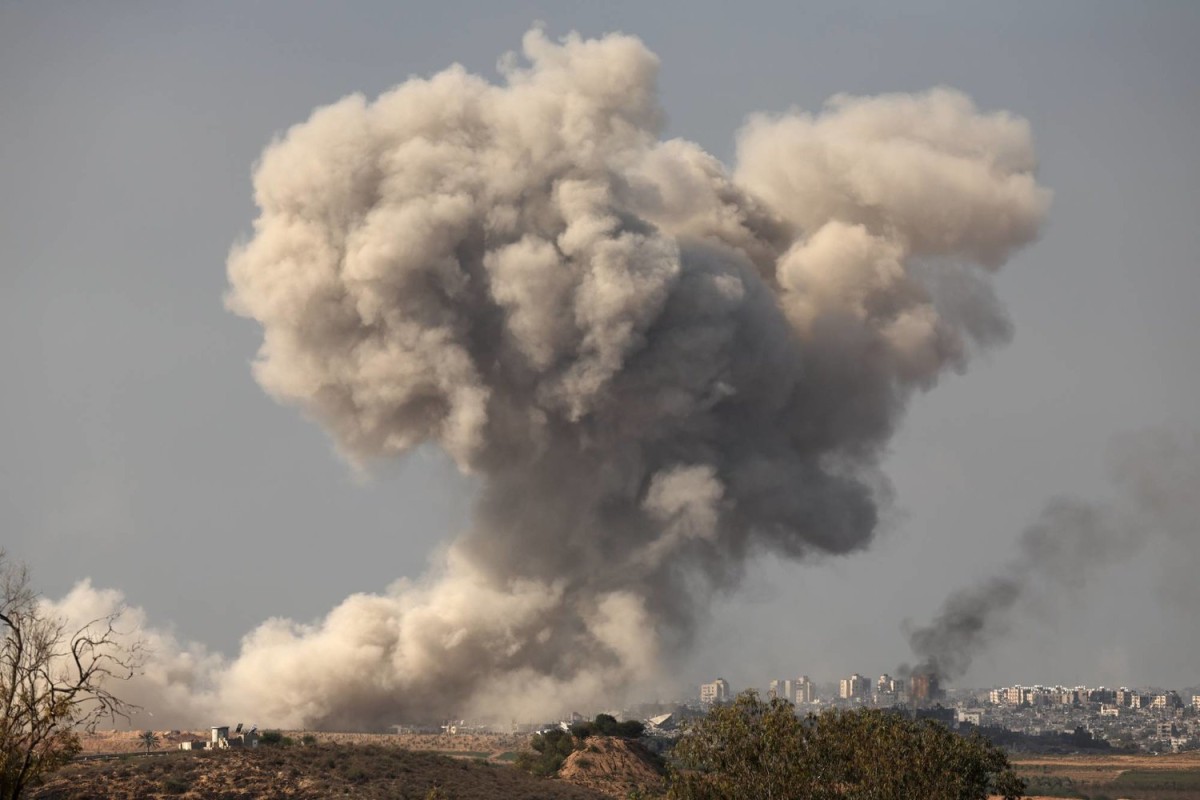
column 1189, row 760
column 615, row 767
column 127, row 741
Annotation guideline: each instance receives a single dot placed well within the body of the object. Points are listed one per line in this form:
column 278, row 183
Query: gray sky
column 137, row 450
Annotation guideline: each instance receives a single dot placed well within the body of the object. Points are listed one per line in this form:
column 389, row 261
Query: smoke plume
column 655, row 366
column 1156, row 475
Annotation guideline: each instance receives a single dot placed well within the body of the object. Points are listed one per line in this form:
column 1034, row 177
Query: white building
column 1166, row 700
column 888, row 685
column 806, row 691
column 853, row 688
column 784, row 689
column 715, row 692
column 972, row 716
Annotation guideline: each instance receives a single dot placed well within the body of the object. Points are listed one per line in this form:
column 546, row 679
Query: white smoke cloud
column 175, row 681
column 656, row 366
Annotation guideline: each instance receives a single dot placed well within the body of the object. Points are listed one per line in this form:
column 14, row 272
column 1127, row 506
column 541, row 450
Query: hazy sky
column 137, row 449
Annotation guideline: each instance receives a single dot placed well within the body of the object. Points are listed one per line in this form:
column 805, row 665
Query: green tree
column 54, row 681
column 753, row 748
column 550, row 751
column 607, row 725
column 149, row 740
column 745, row 749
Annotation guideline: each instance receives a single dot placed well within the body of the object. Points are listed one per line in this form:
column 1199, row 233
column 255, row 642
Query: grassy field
column 1165, row 777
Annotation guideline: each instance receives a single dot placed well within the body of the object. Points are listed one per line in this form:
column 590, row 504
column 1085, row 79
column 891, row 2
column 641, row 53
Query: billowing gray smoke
column 654, row 366
column 1157, row 475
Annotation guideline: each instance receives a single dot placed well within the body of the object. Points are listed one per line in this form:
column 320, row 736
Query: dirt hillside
column 315, row 772
column 615, row 767
column 476, row 745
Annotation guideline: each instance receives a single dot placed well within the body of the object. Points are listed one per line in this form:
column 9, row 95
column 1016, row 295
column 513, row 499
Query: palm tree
column 150, row 739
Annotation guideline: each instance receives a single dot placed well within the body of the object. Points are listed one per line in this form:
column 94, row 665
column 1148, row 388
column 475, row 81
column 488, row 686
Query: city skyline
column 831, row 686
column 142, row 455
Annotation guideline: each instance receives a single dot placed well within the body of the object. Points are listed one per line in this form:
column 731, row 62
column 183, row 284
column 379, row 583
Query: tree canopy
column 551, row 749
column 755, row 748
column 54, row 679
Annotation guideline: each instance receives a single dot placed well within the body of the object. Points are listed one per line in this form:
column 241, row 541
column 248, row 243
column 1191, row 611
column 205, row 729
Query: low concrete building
column 972, row 716
column 221, row 740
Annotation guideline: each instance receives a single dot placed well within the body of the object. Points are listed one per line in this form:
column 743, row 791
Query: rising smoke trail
column 656, row 367
column 1157, row 477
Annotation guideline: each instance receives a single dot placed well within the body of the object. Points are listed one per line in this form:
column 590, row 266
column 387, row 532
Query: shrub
column 176, row 784
column 275, row 739
column 607, row 725
column 551, row 749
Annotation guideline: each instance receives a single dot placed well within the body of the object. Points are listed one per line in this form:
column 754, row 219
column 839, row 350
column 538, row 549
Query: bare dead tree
column 54, row 681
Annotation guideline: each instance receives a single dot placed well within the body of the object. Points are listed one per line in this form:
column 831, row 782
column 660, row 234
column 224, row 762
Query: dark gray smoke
column 655, row 366
column 1157, row 478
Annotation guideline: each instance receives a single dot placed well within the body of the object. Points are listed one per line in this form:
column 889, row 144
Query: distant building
column 715, row 692
column 1166, row 700
column 853, row 688
column 663, row 722
column 888, row 685
column 888, row 690
column 784, row 689
column 1196, row 701
column 923, row 688
column 971, row 716
column 806, row 691
column 221, row 740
